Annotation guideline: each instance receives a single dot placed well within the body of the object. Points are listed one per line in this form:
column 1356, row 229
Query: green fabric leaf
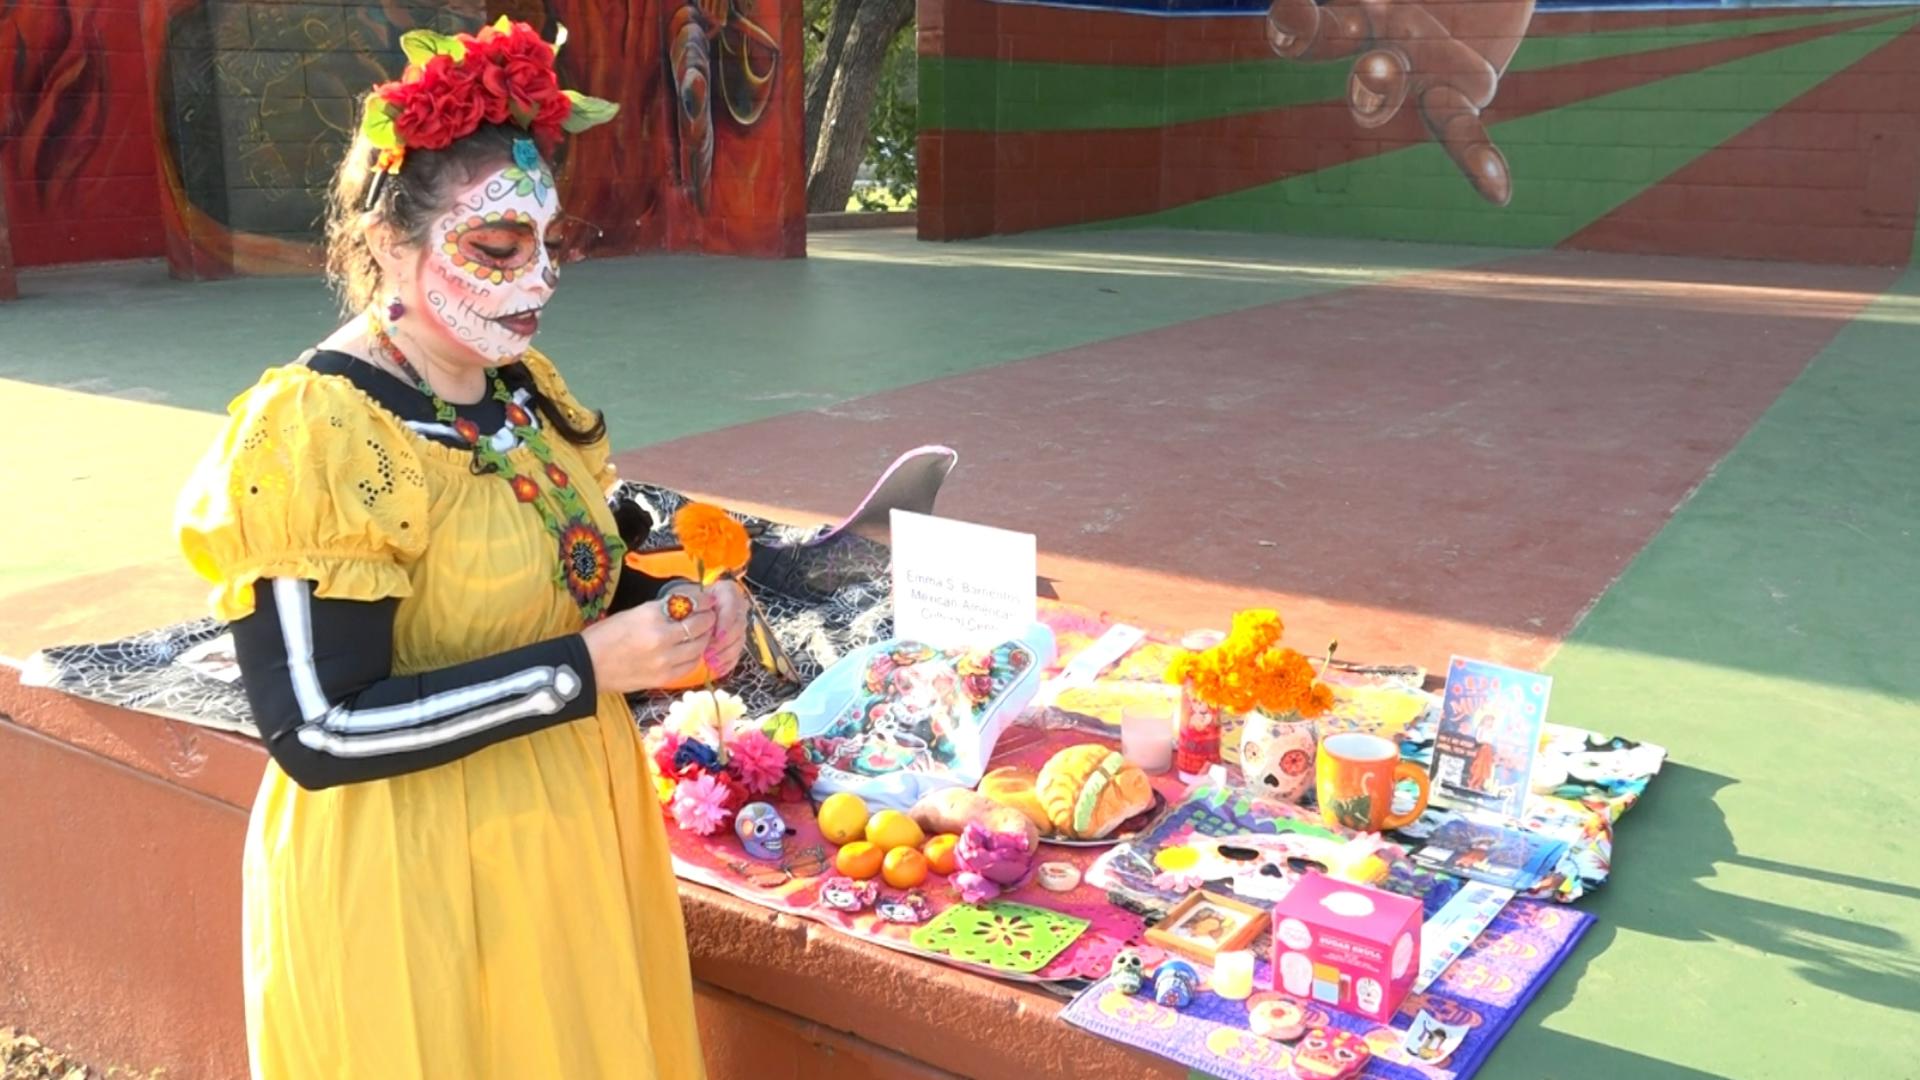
column 524, row 187
column 587, row 112
column 423, row 45
column 1242, row 807
column 377, row 125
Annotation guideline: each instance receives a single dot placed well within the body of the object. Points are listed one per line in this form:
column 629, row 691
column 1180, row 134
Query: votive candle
column 1146, row 738
column 1233, row 975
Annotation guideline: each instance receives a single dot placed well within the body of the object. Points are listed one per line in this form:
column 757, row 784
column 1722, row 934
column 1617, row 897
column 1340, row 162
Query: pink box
column 1349, row 946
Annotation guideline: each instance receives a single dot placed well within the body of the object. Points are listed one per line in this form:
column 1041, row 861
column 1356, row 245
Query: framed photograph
column 1207, row 923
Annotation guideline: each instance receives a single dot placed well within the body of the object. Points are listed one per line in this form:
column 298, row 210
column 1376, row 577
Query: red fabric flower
column 664, row 754
column 557, row 475
column 802, row 771
column 524, row 488
column 436, row 103
column 467, row 430
column 518, row 415
column 737, row 793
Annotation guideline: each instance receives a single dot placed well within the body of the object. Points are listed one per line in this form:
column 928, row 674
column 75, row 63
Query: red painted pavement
column 1457, row 461
column 1854, row 138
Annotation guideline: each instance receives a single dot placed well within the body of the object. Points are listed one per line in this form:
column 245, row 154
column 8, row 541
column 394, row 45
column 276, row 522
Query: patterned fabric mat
column 1486, row 990
column 851, row 606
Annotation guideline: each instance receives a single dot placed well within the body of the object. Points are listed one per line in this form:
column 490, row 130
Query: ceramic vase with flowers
column 1273, row 692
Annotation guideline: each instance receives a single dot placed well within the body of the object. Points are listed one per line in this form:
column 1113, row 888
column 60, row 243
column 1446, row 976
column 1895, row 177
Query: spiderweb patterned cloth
column 823, row 600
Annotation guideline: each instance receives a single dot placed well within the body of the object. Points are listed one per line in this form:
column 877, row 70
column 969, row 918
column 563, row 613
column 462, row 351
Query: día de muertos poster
column 1489, row 729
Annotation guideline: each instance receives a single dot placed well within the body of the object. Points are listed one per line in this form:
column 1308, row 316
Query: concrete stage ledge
column 120, row 842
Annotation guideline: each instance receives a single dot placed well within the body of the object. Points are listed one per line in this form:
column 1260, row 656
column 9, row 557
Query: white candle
column 1233, row 975
column 1146, row 738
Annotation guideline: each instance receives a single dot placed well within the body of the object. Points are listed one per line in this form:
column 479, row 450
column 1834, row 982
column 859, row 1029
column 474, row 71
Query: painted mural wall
column 207, row 129
column 1789, row 133
column 76, row 141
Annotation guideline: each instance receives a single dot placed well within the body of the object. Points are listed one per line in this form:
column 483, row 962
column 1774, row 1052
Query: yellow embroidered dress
column 511, row 914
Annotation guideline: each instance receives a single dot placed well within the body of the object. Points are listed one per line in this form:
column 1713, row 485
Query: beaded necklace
column 586, row 556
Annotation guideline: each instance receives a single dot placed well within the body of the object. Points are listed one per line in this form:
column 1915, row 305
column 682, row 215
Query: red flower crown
column 452, row 85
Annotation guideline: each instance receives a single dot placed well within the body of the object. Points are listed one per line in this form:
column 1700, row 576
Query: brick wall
column 1789, row 133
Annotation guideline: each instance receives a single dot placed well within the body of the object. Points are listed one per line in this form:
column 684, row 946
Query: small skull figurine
column 1329, row 1054
column 1129, row 971
column 1173, row 984
column 760, row 827
column 846, row 894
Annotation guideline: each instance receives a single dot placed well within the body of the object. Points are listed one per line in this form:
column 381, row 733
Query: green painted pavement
column 968, row 94
column 1560, row 186
column 678, row 346
column 1764, row 918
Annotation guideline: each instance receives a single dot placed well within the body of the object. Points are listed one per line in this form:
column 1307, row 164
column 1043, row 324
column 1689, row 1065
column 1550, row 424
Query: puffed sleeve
column 309, row 480
column 547, row 378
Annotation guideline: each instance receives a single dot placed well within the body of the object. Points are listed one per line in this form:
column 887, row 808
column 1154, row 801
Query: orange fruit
column 939, row 853
column 892, row 829
column 859, row 860
column 904, row 867
column 843, row 817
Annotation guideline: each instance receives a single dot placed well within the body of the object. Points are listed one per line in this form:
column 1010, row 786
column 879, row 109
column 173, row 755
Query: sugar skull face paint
column 487, row 271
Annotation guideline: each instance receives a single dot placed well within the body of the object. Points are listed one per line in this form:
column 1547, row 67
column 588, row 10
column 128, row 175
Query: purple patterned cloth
column 1486, row 990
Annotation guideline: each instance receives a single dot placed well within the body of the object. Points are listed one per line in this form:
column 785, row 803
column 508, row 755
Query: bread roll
column 1089, row 790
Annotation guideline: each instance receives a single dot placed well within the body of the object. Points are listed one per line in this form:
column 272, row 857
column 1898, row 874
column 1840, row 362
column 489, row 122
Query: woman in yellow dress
column 455, row 867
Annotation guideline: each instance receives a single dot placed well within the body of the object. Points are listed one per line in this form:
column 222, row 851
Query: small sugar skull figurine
column 1129, row 971
column 1173, row 984
column 846, row 894
column 1329, row 1054
column 760, row 827
column 909, row 909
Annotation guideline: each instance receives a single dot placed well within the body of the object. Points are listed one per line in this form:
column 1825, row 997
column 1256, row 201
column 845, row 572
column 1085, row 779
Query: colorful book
column 1489, row 731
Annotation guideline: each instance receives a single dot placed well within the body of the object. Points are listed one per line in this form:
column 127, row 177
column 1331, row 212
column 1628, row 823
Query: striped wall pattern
column 1782, row 133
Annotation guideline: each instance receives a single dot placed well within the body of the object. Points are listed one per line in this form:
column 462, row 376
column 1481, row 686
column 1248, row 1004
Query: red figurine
column 1198, row 746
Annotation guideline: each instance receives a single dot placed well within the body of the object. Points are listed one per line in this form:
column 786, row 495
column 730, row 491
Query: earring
column 395, row 309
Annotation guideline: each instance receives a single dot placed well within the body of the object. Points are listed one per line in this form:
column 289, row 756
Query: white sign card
column 959, row 584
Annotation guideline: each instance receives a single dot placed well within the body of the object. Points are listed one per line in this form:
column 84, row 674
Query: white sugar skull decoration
column 1276, row 757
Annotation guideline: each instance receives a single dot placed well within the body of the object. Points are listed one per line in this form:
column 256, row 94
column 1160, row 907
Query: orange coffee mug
column 1354, row 780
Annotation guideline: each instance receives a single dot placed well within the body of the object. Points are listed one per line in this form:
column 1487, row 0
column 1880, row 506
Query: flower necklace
column 586, row 556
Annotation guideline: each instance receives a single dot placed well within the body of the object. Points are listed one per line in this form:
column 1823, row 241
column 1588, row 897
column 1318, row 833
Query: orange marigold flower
column 713, row 540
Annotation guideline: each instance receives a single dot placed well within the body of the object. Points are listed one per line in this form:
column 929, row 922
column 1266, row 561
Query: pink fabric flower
column 700, row 804
column 990, row 863
column 758, row 761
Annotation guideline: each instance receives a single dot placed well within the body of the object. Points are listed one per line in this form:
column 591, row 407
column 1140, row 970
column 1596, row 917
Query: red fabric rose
column 440, row 101
column 664, row 754
column 737, row 793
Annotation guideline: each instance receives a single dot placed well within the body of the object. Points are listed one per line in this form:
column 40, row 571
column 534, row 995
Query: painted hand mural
column 1446, row 56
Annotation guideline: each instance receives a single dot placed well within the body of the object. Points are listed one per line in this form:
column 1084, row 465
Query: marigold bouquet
column 1252, row 670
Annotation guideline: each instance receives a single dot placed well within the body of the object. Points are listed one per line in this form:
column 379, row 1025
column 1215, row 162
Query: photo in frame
column 1206, row 924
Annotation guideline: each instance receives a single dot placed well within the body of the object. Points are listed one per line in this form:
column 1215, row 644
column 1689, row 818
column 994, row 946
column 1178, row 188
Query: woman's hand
column 642, row 648
column 728, row 600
